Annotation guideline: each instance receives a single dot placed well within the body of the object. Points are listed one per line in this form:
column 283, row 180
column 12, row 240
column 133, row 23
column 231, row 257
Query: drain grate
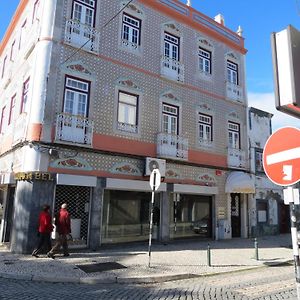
column 100, row 267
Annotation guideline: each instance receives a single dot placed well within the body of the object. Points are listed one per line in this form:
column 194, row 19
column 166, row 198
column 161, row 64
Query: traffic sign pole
column 155, row 178
column 290, row 196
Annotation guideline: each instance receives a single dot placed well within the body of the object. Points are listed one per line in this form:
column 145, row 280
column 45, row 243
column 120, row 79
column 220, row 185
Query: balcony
column 205, row 143
column 127, row 127
column 133, row 47
column 74, row 129
column 234, row 92
column 172, row 69
column 236, row 158
column 82, row 36
column 172, row 146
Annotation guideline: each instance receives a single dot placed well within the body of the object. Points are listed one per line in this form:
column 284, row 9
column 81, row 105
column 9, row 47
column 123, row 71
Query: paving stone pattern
column 262, row 284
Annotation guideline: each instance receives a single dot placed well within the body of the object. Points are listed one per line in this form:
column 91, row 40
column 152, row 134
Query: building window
column 35, row 14
column 131, row 30
column 24, row 100
column 12, row 109
column 76, row 97
column 128, row 112
column 259, row 161
column 204, row 61
column 232, row 72
column 205, row 128
column 233, row 135
column 3, row 66
column 262, row 211
column 170, row 116
column 171, row 46
column 3, row 120
column 22, row 34
column 12, row 51
column 84, row 11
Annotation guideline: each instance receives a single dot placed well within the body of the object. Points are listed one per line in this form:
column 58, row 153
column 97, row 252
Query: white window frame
column 3, row 123
column 232, row 72
column 4, row 65
column 205, row 128
column 205, row 62
column 80, row 89
column 127, row 109
column 234, row 136
column 171, row 43
column 170, row 119
column 130, row 26
column 12, row 109
column 24, row 101
column 86, row 6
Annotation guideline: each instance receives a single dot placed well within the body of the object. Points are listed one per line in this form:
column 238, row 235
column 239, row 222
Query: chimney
column 240, row 31
column 220, row 19
column 188, row 3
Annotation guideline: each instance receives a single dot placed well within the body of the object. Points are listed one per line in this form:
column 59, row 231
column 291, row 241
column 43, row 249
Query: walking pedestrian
column 45, row 228
column 63, row 227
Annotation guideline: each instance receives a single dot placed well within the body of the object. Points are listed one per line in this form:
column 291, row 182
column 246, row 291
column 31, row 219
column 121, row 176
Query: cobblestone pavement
column 266, row 283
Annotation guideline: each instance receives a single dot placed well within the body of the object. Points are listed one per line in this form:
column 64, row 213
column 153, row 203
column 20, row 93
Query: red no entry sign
column 281, row 156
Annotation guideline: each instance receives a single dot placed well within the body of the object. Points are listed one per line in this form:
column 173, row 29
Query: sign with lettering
column 29, row 176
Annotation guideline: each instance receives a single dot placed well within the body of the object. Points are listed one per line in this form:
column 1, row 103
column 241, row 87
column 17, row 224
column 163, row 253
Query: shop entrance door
column 78, row 201
column 236, row 214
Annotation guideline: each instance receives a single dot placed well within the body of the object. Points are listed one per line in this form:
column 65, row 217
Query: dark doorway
column 284, row 218
column 236, row 215
column 9, row 212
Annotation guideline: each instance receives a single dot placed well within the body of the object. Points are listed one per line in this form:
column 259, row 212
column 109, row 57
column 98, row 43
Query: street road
column 264, row 283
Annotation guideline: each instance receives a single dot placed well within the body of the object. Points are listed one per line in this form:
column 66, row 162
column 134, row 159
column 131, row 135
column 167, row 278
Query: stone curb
column 127, row 280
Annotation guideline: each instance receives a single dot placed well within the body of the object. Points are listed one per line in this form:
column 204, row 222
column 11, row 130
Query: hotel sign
column 29, row 176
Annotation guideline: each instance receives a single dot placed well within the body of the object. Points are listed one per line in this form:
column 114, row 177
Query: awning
column 239, row 182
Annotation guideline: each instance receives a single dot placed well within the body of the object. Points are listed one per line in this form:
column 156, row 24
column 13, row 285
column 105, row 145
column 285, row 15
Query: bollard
column 256, row 248
column 208, row 256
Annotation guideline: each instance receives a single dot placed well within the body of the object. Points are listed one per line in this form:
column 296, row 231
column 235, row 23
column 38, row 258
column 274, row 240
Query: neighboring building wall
column 265, row 206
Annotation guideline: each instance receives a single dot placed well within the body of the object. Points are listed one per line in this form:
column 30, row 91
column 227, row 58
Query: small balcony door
column 171, row 55
column 170, row 127
column 75, row 106
column 84, row 15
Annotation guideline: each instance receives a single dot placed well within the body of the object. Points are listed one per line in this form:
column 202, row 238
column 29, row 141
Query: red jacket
column 45, row 224
column 63, row 222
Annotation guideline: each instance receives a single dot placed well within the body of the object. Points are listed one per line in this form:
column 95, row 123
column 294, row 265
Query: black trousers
column 44, row 242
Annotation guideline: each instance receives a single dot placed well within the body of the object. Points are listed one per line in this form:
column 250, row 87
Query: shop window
column 190, row 216
column 126, row 216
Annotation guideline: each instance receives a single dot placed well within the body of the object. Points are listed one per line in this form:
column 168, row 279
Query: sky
column 258, row 19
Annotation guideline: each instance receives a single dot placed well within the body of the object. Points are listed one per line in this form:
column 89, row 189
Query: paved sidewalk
column 175, row 260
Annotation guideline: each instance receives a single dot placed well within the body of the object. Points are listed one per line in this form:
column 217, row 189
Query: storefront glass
column 190, row 216
column 126, row 216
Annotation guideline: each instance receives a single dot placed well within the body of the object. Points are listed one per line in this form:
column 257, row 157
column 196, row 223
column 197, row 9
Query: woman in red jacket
column 44, row 230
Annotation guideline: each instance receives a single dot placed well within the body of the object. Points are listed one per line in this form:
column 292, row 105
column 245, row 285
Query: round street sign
column 155, row 179
column 281, row 156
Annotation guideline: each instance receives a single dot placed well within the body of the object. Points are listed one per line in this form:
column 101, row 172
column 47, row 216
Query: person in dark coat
column 45, row 228
column 63, row 227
